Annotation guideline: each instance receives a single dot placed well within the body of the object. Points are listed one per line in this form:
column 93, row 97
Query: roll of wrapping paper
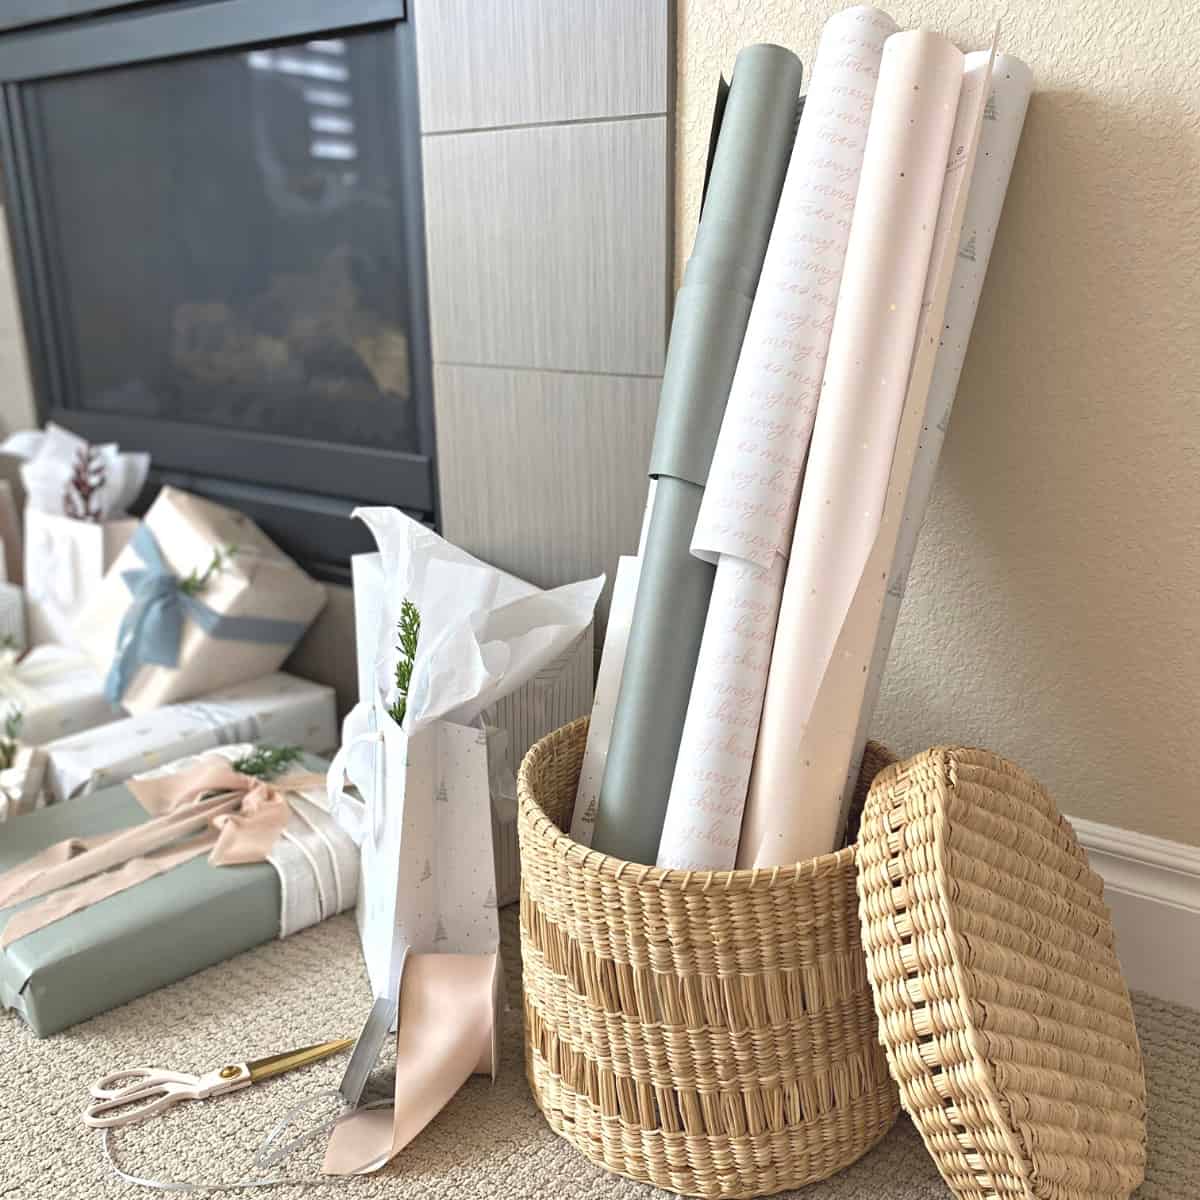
column 792, row 810
column 1003, row 119
column 712, row 307
column 749, row 507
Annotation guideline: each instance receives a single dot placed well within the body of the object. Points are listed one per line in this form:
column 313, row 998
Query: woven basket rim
column 595, row 864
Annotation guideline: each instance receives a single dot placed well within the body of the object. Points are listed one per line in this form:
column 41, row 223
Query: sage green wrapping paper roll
column 712, row 308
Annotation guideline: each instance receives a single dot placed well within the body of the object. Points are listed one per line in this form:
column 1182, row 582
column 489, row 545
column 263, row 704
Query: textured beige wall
column 1053, row 613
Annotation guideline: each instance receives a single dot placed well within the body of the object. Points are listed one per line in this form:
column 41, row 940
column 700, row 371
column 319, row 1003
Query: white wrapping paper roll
column 1003, row 120
column 749, row 508
column 792, row 813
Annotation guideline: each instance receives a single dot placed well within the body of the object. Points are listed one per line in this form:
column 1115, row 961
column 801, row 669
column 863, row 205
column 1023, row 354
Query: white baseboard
column 1153, row 888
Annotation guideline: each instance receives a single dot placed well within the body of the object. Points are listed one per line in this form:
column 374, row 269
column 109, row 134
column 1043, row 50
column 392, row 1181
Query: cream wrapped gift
column 278, row 709
column 12, row 617
column 200, row 599
column 58, row 691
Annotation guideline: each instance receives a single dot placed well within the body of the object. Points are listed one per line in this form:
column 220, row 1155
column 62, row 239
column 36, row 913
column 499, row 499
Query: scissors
column 125, row 1097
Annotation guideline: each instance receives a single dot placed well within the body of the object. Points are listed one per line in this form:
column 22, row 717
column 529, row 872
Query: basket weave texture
column 709, row 1032
column 990, row 950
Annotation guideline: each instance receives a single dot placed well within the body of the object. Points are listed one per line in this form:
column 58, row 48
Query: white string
column 266, row 1157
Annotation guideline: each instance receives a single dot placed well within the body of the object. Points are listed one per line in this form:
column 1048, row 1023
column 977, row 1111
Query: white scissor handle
column 148, row 1090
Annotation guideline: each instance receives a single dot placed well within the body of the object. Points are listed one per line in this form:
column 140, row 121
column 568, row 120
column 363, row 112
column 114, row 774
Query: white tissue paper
column 422, row 815
column 51, row 459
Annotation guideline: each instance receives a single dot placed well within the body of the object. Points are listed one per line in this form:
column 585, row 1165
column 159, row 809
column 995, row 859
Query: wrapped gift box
column 278, row 709
column 554, row 697
column 58, row 691
column 199, row 587
column 129, row 944
column 12, row 616
column 65, row 562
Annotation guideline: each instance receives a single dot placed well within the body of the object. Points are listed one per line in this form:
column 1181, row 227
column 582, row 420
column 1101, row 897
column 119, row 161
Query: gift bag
column 65, row 561
column 21, row 784
column 423, row 823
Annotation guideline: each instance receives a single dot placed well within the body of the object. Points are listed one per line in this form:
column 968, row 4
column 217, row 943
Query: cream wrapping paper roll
column 749, row 507
column 1003, row 120
column 861, row 478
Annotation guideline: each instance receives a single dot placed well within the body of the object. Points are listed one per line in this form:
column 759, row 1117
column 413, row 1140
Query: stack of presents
column 135, row 649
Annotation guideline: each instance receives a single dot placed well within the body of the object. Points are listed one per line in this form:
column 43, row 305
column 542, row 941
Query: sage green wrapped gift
column 126, row 945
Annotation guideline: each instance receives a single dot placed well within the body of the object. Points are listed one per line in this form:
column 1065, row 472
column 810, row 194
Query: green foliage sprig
column 408, row 630
column 196, row 581
column 266, row 762
column 12, row 731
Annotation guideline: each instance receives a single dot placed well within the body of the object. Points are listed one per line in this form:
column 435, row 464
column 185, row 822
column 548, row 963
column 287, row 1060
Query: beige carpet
column 490, row 1143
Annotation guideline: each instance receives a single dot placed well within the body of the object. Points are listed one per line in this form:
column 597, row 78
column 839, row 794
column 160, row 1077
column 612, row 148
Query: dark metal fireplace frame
column 300, row 490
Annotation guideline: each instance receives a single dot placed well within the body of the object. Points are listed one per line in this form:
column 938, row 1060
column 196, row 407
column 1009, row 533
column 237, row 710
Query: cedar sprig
column 408, row 630
column 266, row 762
column 81, row 497
column 196, row 581
column 13, row 720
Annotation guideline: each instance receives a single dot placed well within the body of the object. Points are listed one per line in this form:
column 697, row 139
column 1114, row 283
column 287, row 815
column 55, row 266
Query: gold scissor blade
column 277, row 1064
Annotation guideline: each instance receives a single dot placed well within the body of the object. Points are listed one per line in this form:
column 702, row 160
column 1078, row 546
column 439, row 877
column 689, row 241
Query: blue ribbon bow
column 152, row 627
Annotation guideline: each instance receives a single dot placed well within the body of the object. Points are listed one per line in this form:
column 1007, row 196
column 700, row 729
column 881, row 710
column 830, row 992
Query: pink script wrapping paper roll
column 749, row 508
column 793, row 809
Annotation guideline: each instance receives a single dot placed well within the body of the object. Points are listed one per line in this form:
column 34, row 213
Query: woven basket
column 709, row 1032
column 1007, row 1021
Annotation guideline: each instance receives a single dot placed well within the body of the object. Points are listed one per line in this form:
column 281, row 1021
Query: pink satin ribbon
column 447, row 1032
column 231, row 817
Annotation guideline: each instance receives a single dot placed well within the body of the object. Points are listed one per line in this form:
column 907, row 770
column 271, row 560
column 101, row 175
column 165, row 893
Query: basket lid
column 1002, row 1008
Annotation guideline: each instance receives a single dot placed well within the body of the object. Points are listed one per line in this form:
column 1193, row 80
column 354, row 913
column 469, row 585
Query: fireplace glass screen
column 226, row 234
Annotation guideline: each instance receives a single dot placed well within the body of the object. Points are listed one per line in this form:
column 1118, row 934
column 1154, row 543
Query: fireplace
column 216, row 217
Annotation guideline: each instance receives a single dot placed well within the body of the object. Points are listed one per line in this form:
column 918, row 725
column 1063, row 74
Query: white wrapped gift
column 555, row 696
column 200, row 599
column 21, row 784
column 12, row 616
column 65, row 562
column 58, row 691
column 278, row 709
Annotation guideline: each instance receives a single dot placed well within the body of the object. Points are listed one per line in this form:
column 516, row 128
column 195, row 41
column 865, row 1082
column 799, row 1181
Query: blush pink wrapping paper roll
column 793, row 809
column 749, row 508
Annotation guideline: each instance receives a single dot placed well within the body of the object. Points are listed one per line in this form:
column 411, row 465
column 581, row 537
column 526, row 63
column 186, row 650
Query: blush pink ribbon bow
column 207, row 809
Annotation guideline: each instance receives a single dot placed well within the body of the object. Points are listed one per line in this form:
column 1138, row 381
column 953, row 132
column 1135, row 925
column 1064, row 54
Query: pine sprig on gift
column 266, row 762
column 81, row 497
column 8, row 743
column 195, row 582
column 409, row 630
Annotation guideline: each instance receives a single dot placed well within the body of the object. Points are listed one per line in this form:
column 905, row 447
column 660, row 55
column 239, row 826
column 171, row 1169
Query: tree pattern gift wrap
column 279, row 709
column 200, row 599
